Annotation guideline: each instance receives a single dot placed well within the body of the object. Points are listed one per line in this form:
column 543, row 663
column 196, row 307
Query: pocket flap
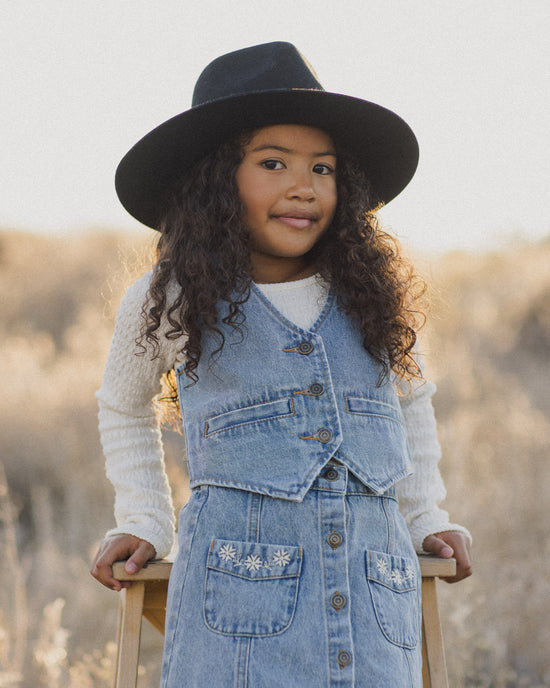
column 254, row 560
column 397, row 573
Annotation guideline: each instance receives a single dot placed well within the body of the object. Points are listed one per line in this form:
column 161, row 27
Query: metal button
column 324, row 435
column 338, row 601
column 331, row 474
column 343, row 658
column 334, row 539
column 316, row 389
column 305, row 348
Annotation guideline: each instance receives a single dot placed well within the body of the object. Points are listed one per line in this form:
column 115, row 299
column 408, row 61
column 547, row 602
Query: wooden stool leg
column 434, row 667
column 129, row 635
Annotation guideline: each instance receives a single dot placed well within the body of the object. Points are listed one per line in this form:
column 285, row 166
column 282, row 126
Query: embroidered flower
column 409, row 573
column 396, row 576
column 227, row 552
column 281, row 558
column 382, row 566
column 253, row 562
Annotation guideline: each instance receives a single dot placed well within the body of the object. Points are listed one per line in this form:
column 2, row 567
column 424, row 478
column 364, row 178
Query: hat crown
column 268, row 67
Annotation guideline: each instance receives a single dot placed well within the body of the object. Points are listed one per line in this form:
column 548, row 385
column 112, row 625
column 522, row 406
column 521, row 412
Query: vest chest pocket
column 373, row 408
column 256, row 413
column 251, row 588
column 393, row 585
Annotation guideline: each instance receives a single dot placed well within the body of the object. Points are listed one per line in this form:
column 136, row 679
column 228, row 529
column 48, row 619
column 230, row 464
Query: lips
column 298, row 219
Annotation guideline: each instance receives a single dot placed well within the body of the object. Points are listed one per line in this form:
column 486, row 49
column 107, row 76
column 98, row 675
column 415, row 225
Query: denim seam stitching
column 390, row 527
column 179, row 615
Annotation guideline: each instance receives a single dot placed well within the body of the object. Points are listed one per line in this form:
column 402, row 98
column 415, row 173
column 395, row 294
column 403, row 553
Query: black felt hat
column 256, row 87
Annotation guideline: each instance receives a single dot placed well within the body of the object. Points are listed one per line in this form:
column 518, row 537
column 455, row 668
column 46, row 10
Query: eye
column 322, row 168
column 272, row 164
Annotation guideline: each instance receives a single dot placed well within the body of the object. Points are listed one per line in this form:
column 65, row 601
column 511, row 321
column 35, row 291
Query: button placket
column 336, row 575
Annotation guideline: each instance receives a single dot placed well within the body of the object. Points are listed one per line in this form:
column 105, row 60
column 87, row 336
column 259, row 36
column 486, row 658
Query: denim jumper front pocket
column 393, row 585
column 251, row 588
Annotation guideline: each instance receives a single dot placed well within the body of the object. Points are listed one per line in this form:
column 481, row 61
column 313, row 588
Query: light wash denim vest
column 278, row 402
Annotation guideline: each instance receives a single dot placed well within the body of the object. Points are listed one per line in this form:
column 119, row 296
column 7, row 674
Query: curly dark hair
column 204, row 248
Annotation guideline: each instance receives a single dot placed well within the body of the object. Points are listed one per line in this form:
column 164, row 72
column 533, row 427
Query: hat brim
column 383, row 144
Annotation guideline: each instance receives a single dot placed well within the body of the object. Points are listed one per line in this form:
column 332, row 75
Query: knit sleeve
column 130, row 428
column 421, row 493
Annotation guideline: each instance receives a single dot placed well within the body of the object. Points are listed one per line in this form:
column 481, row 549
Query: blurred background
column 82, row 82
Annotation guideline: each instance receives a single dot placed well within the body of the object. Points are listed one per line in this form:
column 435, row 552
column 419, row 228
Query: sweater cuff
column 162, row 542
column 429, row 524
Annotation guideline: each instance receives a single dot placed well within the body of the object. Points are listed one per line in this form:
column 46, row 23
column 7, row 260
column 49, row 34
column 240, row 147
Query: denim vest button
column 334, row 538
column 331, row 474
column 338, row 601
column 316, row 389
column 324, row 435
column 305, row 348
column 343, row 658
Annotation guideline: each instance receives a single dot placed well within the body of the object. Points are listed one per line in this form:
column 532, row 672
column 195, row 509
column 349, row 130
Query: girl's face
column 287, row 182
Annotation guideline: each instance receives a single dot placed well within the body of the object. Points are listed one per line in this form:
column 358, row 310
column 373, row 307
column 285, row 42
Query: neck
column 274, row 272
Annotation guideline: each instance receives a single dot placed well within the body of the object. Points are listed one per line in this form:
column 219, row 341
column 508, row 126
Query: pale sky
column 82, row 81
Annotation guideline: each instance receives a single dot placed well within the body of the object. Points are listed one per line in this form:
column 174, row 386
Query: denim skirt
column 268, row 593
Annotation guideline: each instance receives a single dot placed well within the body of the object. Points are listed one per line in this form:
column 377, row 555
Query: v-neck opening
column 277, row 313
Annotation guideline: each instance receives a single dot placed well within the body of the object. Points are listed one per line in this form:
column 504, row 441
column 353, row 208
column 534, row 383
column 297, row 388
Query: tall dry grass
column 489, row 349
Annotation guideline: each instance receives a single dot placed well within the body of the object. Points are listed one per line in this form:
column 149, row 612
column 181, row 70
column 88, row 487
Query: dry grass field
column 488, row 346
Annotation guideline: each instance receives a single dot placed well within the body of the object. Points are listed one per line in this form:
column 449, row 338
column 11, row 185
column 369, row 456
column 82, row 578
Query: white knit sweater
column 131, row 438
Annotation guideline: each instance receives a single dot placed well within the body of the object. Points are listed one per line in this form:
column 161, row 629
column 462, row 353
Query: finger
column 140, row 557
column 461, row 546
column 436, row 545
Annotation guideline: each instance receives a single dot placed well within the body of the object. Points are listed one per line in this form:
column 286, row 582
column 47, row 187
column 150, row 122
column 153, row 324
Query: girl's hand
column 447, row 545
column 116, row 548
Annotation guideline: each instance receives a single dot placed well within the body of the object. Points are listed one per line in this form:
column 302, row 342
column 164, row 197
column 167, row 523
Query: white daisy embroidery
column 253, row 562
column 382, row 566
column 395, row 575
column 227, row 552
column 281, row 558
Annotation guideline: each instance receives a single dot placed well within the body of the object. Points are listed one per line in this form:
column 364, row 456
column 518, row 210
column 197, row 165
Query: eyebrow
column 270, row 146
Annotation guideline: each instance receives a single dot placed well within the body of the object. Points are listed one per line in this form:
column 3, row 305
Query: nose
column 301, row 186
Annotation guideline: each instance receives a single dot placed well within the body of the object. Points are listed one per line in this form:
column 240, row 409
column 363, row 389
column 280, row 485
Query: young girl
column 289, row 321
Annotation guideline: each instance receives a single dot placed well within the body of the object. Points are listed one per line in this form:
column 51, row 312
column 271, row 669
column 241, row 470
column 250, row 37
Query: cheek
column 243, row 186
column 253, row 198
column 251, row 210
column 331, row 203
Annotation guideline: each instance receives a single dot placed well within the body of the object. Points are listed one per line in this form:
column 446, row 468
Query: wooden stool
column 147, row 597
